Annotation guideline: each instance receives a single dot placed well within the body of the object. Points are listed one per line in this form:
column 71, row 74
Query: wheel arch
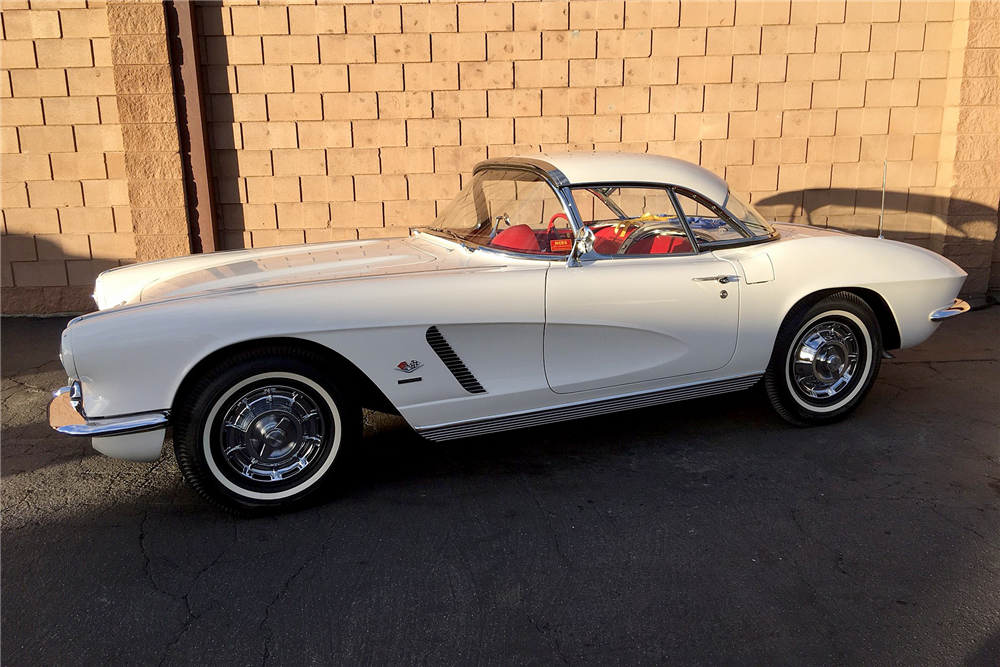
column 883, row 314
column 370, row 395
column 886, row 320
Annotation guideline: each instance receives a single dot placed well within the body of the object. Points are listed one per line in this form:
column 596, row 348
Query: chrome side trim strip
column 957, row 307
column 467, row 429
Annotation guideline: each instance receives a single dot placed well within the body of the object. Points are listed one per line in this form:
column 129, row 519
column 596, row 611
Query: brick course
column 81, row 191
column 778, row 97
column 331, row 121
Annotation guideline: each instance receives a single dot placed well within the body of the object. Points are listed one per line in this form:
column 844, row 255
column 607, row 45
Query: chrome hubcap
column 825, row 360
column 272, row 433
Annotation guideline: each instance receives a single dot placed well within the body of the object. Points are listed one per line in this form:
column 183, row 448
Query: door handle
column 721, row 279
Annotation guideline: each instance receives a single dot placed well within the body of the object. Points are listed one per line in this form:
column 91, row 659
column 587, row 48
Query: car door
column 649, row 316
column 611, row 322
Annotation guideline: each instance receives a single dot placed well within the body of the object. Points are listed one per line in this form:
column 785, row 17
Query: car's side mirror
column 583, row 244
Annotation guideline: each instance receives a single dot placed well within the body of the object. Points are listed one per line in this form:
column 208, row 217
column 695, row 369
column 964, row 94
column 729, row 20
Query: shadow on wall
column 247, row 191
column 42, row 277
column 908, row 216
column 201, row 230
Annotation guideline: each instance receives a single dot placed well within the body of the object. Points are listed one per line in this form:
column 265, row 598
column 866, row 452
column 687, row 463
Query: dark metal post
column 191, row 118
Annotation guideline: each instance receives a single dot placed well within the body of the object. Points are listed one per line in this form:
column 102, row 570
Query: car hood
column 250, row 269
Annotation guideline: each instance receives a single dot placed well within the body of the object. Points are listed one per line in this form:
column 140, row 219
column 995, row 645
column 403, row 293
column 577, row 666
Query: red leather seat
column 659, row 245
column 607, row 240
column 519, row 238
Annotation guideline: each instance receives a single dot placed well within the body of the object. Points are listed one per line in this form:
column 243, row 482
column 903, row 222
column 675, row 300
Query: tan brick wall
column 336, row 121
column 65, row 198
column 342, row 121
column 148, row 114
column 90, row 165
column 975, row 185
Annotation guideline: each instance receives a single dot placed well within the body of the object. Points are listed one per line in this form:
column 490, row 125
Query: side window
column 632, row 221
column 707, row 225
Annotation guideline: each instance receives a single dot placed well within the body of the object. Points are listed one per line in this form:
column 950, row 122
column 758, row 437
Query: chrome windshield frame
column 562, row 188
column 556, row 182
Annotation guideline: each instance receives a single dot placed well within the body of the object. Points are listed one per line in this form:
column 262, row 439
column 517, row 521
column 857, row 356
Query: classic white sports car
column 552, row 287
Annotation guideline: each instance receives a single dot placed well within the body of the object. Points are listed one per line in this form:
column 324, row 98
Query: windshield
column 745, row 213
column 508, row 210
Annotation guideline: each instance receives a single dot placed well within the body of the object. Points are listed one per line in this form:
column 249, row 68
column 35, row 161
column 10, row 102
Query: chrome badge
column 408, row 366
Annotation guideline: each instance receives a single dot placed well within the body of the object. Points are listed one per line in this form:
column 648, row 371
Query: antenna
column 885, row 166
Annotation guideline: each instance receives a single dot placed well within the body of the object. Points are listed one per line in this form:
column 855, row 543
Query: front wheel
column 261, row 430
column 825, row 360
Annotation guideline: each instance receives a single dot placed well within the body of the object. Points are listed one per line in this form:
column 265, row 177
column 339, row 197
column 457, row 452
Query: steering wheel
column 556, row 216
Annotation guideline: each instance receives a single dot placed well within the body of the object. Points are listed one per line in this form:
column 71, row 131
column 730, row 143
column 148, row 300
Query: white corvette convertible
column 552, row 287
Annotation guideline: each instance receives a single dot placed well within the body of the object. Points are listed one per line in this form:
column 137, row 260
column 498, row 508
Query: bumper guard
column 956, row 308
column 67, row 416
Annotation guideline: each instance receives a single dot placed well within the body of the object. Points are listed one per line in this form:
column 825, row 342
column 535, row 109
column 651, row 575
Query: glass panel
column 750, row 218
column 707, row 225
column 632, row 221
column 509, row 210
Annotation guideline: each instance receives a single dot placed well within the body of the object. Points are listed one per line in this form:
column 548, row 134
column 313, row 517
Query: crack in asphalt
column 545, row 631
column 548, row 521
column 285, row 588
column 192, row 616
column 961, row 525
column 838, row 555
column 28, row 386
column 815, row 595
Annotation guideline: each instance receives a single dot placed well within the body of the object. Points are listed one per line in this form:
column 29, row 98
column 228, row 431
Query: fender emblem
column 408, row 366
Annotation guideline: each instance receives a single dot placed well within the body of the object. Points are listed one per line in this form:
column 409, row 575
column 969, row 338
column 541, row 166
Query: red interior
column 659, row 245
column 607, row 241
column 521, row 238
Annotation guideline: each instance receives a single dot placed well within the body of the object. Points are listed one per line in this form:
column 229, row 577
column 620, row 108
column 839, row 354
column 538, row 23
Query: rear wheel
column 825, row 360
column 261, row 430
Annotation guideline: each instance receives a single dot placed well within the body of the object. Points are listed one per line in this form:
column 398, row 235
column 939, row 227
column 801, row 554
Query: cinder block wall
column 319, row 114
column 90, row 162
column 65, row 197
column 343, row 121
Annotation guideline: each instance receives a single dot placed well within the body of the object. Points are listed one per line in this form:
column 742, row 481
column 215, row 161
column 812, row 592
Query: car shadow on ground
column 393, row 454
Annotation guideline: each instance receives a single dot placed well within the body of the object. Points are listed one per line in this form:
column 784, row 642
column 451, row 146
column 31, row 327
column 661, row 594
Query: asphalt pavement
column 700, row 533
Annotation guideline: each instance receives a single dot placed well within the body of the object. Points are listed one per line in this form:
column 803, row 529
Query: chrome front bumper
column 66, row 415
column 956, row 308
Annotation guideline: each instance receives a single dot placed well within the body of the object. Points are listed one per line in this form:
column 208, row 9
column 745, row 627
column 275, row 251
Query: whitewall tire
column 262, row 429
column 825, row 360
